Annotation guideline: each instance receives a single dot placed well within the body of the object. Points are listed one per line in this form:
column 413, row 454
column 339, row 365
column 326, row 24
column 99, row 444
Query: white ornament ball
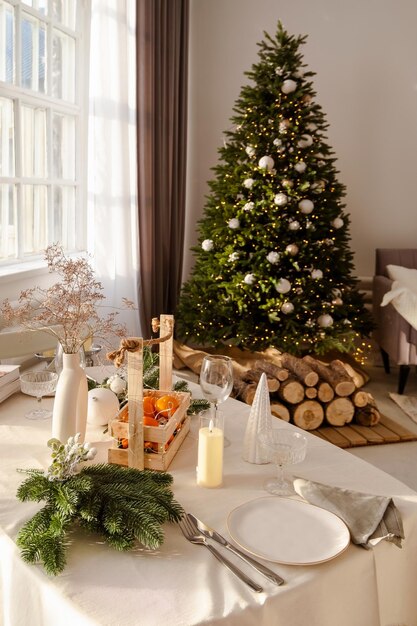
column 273, row 257
column 306, row 206
column 325, row 320
column 292, row 249
column 250, row 151
column 294, row 225
column 249, row 279
column 233, row 223
column 287, row 308
column 337, row 301
column 249, row 206
column 337, row 223
column 284, row 125
column 283, row 285
column 280, row 199
column 266, row 162
column 117, row 384
column 103, row 406
column 207, row 245
column 305, row 141
column 287, row 183
column 300, row 167
column 248, row 182
column 288, row 86
column 277, row 142
column 316, row 274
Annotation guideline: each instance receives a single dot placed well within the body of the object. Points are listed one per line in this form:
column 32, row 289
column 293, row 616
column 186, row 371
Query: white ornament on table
column 280, row 199
column 292, row 249
column 259, row 419
column 273, row 257
column 287, row 308
column 266, row 163
column 288, row 86
column 337, row 223
column 305, row 141
column 248, row 182
column 103, row 406
column 233, row 223
column 306, row 206
column 283, row 285
column 117, row 384
column 207, row 245
column 325, row 320
column 300, row 167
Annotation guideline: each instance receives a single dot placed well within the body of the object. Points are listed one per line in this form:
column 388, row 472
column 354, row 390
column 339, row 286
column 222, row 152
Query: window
column 43, row 56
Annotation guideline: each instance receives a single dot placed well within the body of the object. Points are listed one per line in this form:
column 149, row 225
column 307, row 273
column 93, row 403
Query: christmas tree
column 273, row 265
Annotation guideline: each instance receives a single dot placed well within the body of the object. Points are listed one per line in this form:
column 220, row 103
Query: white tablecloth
column 182, row 584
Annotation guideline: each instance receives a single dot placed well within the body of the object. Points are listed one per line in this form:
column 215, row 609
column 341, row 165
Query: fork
column 190, row 532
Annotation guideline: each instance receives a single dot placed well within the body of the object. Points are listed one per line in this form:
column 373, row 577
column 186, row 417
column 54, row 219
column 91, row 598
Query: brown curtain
column 162, row 64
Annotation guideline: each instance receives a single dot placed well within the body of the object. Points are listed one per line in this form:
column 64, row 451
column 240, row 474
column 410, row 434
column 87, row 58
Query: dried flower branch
column 67, row 309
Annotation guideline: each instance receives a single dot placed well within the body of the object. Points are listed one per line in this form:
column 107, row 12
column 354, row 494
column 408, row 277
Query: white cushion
column 404, row 275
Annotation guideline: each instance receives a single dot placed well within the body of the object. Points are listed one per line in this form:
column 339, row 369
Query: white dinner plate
column 288, row 531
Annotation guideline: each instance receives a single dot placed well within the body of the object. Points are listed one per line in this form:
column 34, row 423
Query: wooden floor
column 352, row 436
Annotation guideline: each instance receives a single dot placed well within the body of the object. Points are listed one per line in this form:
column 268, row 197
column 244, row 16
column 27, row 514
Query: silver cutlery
column 212, row 534
column 190, row 532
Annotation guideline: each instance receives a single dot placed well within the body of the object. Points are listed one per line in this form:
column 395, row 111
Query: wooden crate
column 168, row 437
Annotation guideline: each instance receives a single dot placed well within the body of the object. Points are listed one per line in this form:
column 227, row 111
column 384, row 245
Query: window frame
column 29, row 267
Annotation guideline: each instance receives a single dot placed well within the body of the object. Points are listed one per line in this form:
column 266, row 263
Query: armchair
column 396, row 338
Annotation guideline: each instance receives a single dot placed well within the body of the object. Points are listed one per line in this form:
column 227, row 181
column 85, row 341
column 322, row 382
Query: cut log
column 291, row 390
column 300, row 369
column 325, row 392
column 339, row 411
column 281, row 411
column 343, row 385
column 359, row 379
column 308, row 415
column 361, row 398
column 254, row 376
column 311, row 392
column 243, row 391
column 368, row 415
column 270, row 369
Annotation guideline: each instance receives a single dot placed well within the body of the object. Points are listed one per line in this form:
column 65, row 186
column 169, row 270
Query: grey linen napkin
column 369, row 518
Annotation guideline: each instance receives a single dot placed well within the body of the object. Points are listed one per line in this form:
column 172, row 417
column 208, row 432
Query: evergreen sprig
column 121, row 504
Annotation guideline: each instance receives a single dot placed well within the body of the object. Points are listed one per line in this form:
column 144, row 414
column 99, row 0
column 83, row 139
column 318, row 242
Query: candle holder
column 210, row 450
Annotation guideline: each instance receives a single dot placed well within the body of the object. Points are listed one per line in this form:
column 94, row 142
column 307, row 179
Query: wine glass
column 216, row 381
column 284, row 447
column 38, row 384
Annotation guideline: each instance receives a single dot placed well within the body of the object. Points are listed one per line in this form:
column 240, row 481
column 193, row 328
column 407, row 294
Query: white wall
column 364, row 53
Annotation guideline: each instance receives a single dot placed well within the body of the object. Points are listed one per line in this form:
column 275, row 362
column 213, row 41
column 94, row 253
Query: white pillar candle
column 210, row 456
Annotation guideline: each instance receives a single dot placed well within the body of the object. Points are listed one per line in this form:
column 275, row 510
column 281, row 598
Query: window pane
column 64, row 11
column 7, row 42
column 34, row 141
column 35, row 219
column 6, row 137
column 64, row 216
column 8, row 220
column 33, row 70
column 63, row 66
column 40, row 5
column 63, row 146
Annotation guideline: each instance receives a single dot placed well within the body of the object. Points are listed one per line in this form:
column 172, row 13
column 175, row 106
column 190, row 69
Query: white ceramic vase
column 69, row 414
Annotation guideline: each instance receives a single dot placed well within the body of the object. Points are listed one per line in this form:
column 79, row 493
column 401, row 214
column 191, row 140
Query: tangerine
column 148, row 420
column 166, row 405
column 149, row 405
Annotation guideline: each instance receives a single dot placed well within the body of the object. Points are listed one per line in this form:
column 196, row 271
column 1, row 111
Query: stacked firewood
column 311, row 393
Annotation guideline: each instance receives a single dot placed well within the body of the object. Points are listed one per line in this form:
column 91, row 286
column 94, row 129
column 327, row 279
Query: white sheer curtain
column 112, row 161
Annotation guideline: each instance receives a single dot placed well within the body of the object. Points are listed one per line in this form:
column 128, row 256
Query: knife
column 210, row 533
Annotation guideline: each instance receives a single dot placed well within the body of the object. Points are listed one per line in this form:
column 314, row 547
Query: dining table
column 182, row 584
